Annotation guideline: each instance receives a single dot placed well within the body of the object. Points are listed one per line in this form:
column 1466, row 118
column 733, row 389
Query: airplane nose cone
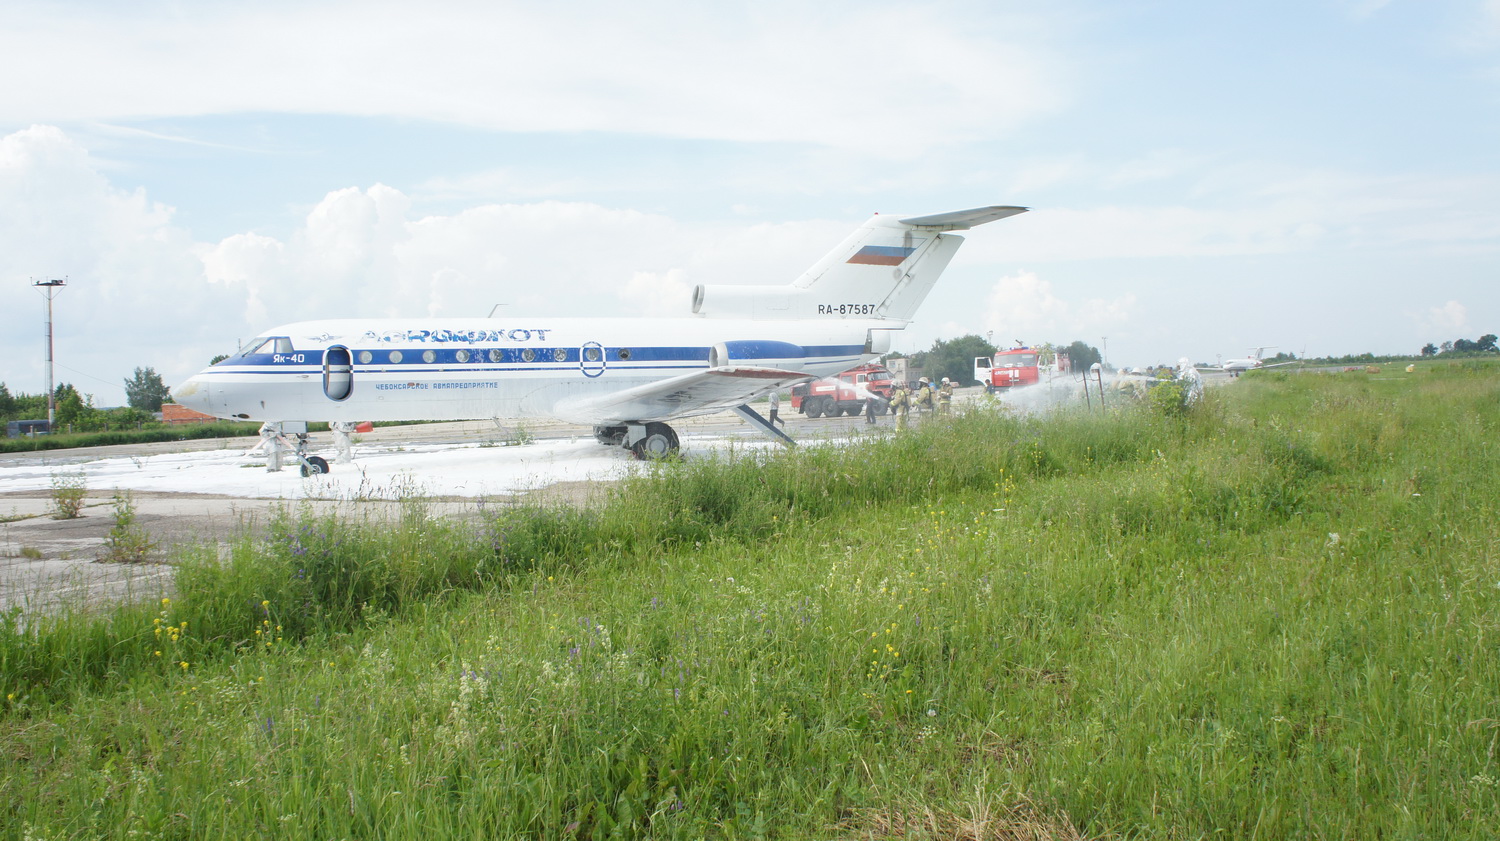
column 193, row 394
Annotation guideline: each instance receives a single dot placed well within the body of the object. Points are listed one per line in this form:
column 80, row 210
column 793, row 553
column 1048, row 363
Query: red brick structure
column 173, row 413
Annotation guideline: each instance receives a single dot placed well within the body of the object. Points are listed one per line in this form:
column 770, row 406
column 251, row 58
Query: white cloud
column 775, row 72
column 1023, row 306
column 133, row 276
column 659, row 293
column 1489, row 14
column 1256, row 210
column 1449, row 321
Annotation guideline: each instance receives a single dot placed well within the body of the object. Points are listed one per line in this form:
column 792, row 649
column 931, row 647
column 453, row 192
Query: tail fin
column 883, row 270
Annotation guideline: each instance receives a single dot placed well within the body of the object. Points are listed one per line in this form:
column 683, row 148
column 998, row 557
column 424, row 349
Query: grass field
column 1277, row 616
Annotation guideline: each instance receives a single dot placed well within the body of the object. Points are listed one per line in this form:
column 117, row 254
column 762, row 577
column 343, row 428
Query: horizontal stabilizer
column 697, row 393
column 962, row 220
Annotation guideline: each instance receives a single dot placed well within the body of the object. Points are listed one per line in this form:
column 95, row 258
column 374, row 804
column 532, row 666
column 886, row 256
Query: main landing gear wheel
column 315, row 465
column 660, row 441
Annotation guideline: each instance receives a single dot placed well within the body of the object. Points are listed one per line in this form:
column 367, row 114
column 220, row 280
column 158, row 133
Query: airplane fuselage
column 468, row 368
column 624, row 376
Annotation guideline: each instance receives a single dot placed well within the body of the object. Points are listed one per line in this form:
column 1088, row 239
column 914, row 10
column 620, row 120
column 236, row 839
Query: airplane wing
column 697, row 393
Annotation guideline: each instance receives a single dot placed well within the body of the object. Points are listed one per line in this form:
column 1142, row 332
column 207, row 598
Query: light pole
column 1104, row 354
column 49, row 288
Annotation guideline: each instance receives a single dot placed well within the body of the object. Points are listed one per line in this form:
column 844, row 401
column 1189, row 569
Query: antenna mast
column 49, row 288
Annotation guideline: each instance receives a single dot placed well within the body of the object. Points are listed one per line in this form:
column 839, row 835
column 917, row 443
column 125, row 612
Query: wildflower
column 158, row 654
column 166, row 602
column 184, row 665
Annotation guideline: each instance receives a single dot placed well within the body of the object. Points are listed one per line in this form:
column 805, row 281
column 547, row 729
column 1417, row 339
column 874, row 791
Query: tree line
column 1484, row 344
column 145, row 391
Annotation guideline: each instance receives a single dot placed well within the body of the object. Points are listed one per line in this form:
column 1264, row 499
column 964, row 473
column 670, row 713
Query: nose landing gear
column 277, row 439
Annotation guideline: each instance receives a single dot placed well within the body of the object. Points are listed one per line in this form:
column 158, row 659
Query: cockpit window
column 253, row 346
column 265, row 344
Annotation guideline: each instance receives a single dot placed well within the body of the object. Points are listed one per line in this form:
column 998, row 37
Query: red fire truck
column 842, row 393
column 1008, row 369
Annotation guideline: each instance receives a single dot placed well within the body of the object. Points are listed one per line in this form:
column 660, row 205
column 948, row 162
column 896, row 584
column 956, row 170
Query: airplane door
column 338, row 373
column 591, row 359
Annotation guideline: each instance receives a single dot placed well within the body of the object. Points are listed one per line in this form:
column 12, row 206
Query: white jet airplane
column 624, row 376
column 1235, row 367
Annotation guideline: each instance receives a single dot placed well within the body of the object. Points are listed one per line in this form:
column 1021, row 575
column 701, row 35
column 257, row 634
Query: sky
column 1314, row 175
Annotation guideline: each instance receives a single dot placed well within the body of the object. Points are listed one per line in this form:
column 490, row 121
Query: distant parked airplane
column 624, row 376
column 1235, row 367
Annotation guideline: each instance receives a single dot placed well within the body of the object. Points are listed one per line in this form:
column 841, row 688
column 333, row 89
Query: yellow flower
column 183, row 664
column 158, row 654
column 166, row 601
column 265, row 604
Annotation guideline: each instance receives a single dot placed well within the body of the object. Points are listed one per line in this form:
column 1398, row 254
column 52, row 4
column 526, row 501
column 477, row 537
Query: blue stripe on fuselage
column 478, row 358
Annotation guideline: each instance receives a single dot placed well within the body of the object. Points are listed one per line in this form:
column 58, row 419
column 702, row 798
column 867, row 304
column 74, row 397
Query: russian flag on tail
column 881, row 255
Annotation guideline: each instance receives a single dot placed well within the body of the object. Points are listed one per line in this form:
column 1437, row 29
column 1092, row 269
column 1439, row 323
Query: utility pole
column 1104, row 354
column 49, row 288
